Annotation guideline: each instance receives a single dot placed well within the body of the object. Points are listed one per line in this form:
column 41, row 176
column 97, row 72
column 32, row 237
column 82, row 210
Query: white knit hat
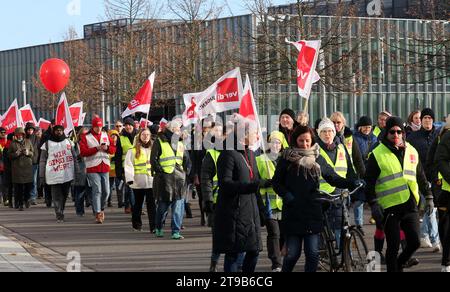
column 326, row 123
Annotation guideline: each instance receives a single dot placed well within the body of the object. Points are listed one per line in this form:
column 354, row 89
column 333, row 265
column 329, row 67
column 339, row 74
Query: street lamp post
column 24, row 90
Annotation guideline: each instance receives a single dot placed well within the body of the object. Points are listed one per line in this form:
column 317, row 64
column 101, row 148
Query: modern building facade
column 398, row 64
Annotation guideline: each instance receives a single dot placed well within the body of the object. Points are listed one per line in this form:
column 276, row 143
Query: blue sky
column 26, row 23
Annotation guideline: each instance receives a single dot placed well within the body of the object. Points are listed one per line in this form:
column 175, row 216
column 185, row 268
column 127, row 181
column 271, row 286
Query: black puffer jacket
column 304, row 214
column 422, row 141
column 237, row 221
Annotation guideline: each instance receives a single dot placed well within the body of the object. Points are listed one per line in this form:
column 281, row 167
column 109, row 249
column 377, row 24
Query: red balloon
column 55, row 75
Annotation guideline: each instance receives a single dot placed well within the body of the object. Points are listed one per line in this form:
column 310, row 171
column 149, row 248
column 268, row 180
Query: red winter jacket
column 85, row 151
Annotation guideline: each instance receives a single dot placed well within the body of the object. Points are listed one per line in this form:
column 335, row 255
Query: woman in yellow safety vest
column 139, row 177
column 394, row 177
column 273, row 203
column 336, row 156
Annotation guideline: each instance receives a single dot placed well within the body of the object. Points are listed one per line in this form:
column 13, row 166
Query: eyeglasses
column 393, row 132
column 119, row 126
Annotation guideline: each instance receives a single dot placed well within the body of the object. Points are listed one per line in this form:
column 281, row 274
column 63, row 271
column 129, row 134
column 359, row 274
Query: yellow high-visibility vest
column 168, row 160
column 394, row 184
column 340, row 167
column 275, row 201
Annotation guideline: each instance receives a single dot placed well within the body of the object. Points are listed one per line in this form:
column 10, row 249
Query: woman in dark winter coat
column 237, row 224
column 296, row 180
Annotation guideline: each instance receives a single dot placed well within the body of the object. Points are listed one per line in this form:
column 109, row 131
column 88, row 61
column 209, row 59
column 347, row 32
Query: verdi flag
column 76, row 112
column 143, row 99
column 306, row 65
column 11, row 120
column 224, row 95
column 27, row 115
column 63, row 117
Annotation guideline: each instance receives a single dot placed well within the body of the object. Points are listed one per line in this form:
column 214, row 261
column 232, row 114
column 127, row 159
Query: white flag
column 224, row 95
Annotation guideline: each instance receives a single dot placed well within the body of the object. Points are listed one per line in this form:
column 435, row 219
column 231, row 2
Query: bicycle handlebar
column 334, row 197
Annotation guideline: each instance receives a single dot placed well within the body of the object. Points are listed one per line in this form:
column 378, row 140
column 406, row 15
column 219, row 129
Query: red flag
column 44, row 124
column 11, row 119
column 63, row 117
column 143, row 99
column 144, row 123
column 76, row 112
column 27, row 115
column 248, row 107
column 306, row 65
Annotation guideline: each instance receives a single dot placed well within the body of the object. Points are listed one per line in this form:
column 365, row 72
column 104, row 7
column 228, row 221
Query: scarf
column 305, row 159
column 415, row 127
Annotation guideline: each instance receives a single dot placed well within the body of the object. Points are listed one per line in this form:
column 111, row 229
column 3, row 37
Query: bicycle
column 353, row 247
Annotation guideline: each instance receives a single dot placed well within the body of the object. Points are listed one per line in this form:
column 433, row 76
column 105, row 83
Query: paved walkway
column 14, row 258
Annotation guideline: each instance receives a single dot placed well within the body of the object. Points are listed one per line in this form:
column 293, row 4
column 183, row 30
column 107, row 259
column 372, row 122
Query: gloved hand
column 208, row 207
column 429, row 205
column 377, row 212
column 288, row 199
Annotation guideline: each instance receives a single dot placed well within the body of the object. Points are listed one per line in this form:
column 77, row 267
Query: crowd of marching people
column 404, row 169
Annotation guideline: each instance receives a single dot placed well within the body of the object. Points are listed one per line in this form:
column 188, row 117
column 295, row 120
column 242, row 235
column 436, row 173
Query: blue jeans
column 33, row 193
column 128, row 196
column 358, row 209
column 247, row 261
column 429, row 227
column 177, row 214
column 294, row 251
column 100, row 190
column 80, row 194
column 215, row 257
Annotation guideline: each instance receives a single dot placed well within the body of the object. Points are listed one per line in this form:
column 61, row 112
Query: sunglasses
column 398, row 132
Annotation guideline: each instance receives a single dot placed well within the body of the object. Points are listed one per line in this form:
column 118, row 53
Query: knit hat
column 288, row 112
column 30, row 126
column 113, row 132
column 128, row 121
column 427, row 112
column 326, row 123
column 395, row 121
column 386, row 113
column 277, row 135
column 173, row 124
column 97, row 122
column 364, row 121
column 18, row 131
column 58, row 127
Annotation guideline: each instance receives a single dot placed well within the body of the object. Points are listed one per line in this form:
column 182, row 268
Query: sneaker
column 98, row 218
column 137, row 229
column 445, row 269
column 33, row 203
column 437, row 247
column 276, row 270
column 159, row 233
column 425, row 242
column 177, row 236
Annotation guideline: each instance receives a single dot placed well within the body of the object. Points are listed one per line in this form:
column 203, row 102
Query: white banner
column 224, row 95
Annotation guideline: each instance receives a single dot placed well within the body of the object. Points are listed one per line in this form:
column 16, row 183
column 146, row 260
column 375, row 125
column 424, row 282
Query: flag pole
column 263, row 144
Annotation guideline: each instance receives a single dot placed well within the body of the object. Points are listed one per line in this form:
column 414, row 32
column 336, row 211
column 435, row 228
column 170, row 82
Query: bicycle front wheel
column 355, row 252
